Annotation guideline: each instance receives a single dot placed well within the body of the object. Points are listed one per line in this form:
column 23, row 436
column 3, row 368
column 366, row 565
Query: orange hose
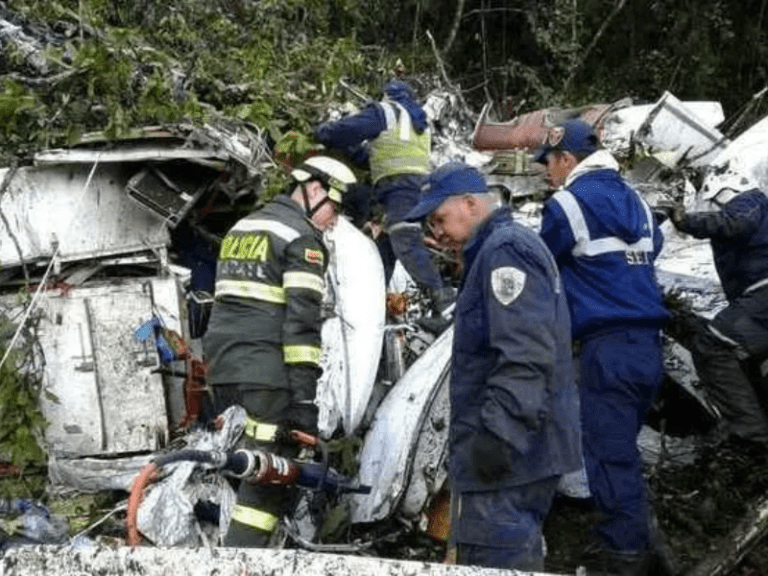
column 145, row 476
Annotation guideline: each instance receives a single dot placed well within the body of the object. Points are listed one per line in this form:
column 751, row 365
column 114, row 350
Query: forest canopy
column 74, row 66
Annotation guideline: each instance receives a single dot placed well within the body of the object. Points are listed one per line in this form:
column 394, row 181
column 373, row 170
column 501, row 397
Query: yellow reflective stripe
column 296, row 353
column 250, row 289
column 303, row 280
column 260, row 431
column 255, row 518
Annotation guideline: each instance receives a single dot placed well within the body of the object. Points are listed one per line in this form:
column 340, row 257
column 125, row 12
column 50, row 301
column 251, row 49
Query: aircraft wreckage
column 118, row 241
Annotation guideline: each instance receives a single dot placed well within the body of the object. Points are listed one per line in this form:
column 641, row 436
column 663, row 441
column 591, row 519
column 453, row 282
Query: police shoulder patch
column 313, row 256
column 507, row 283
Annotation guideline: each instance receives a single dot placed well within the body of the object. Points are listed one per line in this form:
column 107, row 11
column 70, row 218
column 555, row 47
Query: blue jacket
column 605, row 241
column 352, row 133
column 739, row 238
column 511, row 365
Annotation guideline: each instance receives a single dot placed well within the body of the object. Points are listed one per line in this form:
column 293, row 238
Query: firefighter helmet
column 334, row 175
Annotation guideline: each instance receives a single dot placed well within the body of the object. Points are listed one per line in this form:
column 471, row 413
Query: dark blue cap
column 574, row 136
column 452, row 179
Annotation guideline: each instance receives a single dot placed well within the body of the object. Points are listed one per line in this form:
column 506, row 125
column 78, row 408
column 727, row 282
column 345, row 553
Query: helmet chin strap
column 310, row 212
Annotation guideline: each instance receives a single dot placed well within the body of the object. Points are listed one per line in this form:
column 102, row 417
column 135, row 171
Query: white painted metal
column 103, row 396
column 620, row 126
column 149, row 561
column 353, row 335
column 127, row 153
column 44, row 206
column 386, row 460
column 674, row 129
column 747, row 154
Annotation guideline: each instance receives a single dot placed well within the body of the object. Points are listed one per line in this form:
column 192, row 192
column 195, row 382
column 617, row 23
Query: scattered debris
column 118, row 242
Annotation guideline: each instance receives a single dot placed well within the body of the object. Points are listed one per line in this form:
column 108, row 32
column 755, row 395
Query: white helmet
column 334, row 175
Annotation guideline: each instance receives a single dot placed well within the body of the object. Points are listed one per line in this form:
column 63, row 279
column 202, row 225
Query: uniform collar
column 473, row 245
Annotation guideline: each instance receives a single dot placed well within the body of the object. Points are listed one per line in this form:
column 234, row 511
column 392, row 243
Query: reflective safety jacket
column 605, row 240
column 265, row 323
column 511, row 368
column 739, row 237
column 399, row 149
column 395, row 146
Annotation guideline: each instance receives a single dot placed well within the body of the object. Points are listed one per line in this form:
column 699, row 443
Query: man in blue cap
column 605, row 241
column 514, row 426
column 393, row 136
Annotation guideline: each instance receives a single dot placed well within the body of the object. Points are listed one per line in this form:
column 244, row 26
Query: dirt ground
column 697, row 506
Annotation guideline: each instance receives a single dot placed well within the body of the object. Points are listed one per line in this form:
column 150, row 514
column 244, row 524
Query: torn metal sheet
column 143, row 152
column 428, row 466
column 529, row 131
column 168, row 193
column 386, row 459
column 353, row 335
column 75, row 212
column 686, row 139
column 620, row 126
column 211, row 144
column 746, row 155
column 103, row 394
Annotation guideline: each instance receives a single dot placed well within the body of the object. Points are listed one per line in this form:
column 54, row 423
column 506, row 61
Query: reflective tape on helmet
column 250, row 289
column 303, row 280
column 254, row 518
column 297, row 354
column 260, row 431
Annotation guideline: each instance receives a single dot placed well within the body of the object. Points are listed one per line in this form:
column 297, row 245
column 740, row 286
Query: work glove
column 491, row 457
column 673, row 211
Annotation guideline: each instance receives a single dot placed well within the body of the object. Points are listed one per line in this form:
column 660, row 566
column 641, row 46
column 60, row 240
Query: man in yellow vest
column 393, row 136
column 263, row 338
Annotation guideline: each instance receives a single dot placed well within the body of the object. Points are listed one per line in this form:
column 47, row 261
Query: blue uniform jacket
column 739, row 238
column 511, row 366
column 605, row 241
column 352, row 132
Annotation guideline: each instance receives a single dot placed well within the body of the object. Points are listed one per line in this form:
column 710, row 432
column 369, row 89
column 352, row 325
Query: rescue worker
column 393, row 136
column 737, row 226
column 263, row 339
column 605, row 241
column 514, row 427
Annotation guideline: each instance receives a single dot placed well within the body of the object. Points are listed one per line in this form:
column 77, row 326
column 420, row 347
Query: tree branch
column 616, row 9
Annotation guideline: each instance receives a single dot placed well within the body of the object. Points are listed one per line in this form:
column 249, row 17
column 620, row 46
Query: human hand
column 673, row 211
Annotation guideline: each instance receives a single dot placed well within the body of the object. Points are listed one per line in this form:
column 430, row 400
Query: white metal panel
column 747, row 154
column 620, row 126
column 674, row 128
column 352, row 337
column 45, row 205
column 109, row 398
column 387, row 456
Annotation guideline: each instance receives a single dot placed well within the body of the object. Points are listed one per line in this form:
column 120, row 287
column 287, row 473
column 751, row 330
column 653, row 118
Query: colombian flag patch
column 313, row 256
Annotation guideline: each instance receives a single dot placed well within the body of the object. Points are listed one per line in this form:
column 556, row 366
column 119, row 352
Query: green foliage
column 21, row 422
column 278, row 63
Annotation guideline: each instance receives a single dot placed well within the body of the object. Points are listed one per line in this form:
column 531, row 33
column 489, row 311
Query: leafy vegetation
column 21, row 423
column 109, row 65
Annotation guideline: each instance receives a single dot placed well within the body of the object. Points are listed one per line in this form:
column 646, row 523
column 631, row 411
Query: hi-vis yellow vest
column 399, row 149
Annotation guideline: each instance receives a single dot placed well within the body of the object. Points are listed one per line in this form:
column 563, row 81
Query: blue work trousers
column 621, row 372
column 398, row 195
column 503, row 528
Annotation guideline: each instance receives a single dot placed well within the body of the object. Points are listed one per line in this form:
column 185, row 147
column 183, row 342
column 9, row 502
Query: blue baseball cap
column 452, row 179
column 574, row 136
